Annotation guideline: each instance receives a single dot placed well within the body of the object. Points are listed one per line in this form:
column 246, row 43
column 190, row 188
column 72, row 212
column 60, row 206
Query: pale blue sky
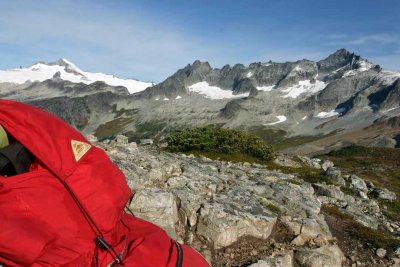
column 150, row 40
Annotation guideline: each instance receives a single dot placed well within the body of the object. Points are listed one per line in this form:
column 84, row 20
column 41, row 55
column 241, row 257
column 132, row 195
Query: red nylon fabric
column 41, row 223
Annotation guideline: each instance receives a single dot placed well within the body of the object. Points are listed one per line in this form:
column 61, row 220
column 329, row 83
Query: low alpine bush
column 219, row 140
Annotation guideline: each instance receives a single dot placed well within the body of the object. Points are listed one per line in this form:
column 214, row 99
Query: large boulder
column 222, row 222
column 383, row 193
column 157, row 206
column 329, row 191
column 301, row 198
column 335, row 175
column 307, row 230
column 358, row 184
column 283, row 259
column 327, row 164
column 325, row 256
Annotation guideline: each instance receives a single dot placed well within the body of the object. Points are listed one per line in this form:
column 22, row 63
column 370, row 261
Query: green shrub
column 219, row 140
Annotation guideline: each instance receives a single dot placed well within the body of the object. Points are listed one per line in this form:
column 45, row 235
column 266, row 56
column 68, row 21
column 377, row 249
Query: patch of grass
column 152, row 127
column 306, row 173
column 392, row 210
column 347, row 190
column 276, row 137
column 379, row 239
column 271, row 207
column 109, row 129
column 236, row 157
column 293, row 181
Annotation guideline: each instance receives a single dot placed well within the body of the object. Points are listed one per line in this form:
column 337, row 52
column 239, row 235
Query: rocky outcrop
column 242, row 213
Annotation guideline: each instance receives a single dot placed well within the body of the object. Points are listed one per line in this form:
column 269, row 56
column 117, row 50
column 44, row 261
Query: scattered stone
column 329, row 255
column 121, row 140
column 383, row 193
column 397, row 251
column 381, row 253
column 222, row 223
column 362, row 195
column 358, row 183
column 327, row 164
column 157, row 206
column 91, row 138
column 307, row 230
column 314, row 163
column 370, row 185
column 286, row 161
column 334, row 175
column 329, row 191
column 277, row 260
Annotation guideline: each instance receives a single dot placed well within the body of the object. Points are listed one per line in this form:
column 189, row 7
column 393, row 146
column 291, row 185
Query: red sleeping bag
column 68, row 209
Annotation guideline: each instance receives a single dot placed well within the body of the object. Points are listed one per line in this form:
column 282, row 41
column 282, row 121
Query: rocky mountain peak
column 336, row 60
column 60, row 62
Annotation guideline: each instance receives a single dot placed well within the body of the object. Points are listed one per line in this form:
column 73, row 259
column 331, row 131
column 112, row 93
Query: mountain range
column 300, row 107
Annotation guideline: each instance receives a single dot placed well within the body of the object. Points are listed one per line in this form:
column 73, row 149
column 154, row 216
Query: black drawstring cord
column 130, row 211
column 100, row 238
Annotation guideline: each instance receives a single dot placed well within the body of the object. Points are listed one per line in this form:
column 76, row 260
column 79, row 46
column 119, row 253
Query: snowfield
column 69, row 72
column 213, row 92
column 324, row 115
column 303, row 87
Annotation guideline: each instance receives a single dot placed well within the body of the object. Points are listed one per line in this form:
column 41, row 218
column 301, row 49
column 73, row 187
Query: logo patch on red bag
column 80, row 149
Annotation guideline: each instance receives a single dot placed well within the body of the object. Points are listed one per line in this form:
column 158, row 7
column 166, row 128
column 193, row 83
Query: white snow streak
column 266, row 88
column 304, row 87
column 213, row 92
column 385, row 111
column 178, row 97
column 280, row 118
column 324, row 115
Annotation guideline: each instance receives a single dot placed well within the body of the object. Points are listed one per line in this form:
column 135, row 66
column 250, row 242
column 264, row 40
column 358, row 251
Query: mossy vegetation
column 377, row 238
column 348, row 191
column 109, row 129
column 306, row 173
column 277, row 139
column 271, row 207
column 220, row 143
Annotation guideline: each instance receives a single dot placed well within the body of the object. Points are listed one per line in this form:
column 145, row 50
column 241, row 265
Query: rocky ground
column 242, row 214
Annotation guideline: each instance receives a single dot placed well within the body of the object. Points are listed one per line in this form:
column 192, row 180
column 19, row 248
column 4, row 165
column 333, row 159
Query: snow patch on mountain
column 266, row 88
column 281, row 118
column 303, row 87
column 324, row 115
column 388, row 77
column 69, row 72
column 213, row 92
column 363, row 66
column 388, row 110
